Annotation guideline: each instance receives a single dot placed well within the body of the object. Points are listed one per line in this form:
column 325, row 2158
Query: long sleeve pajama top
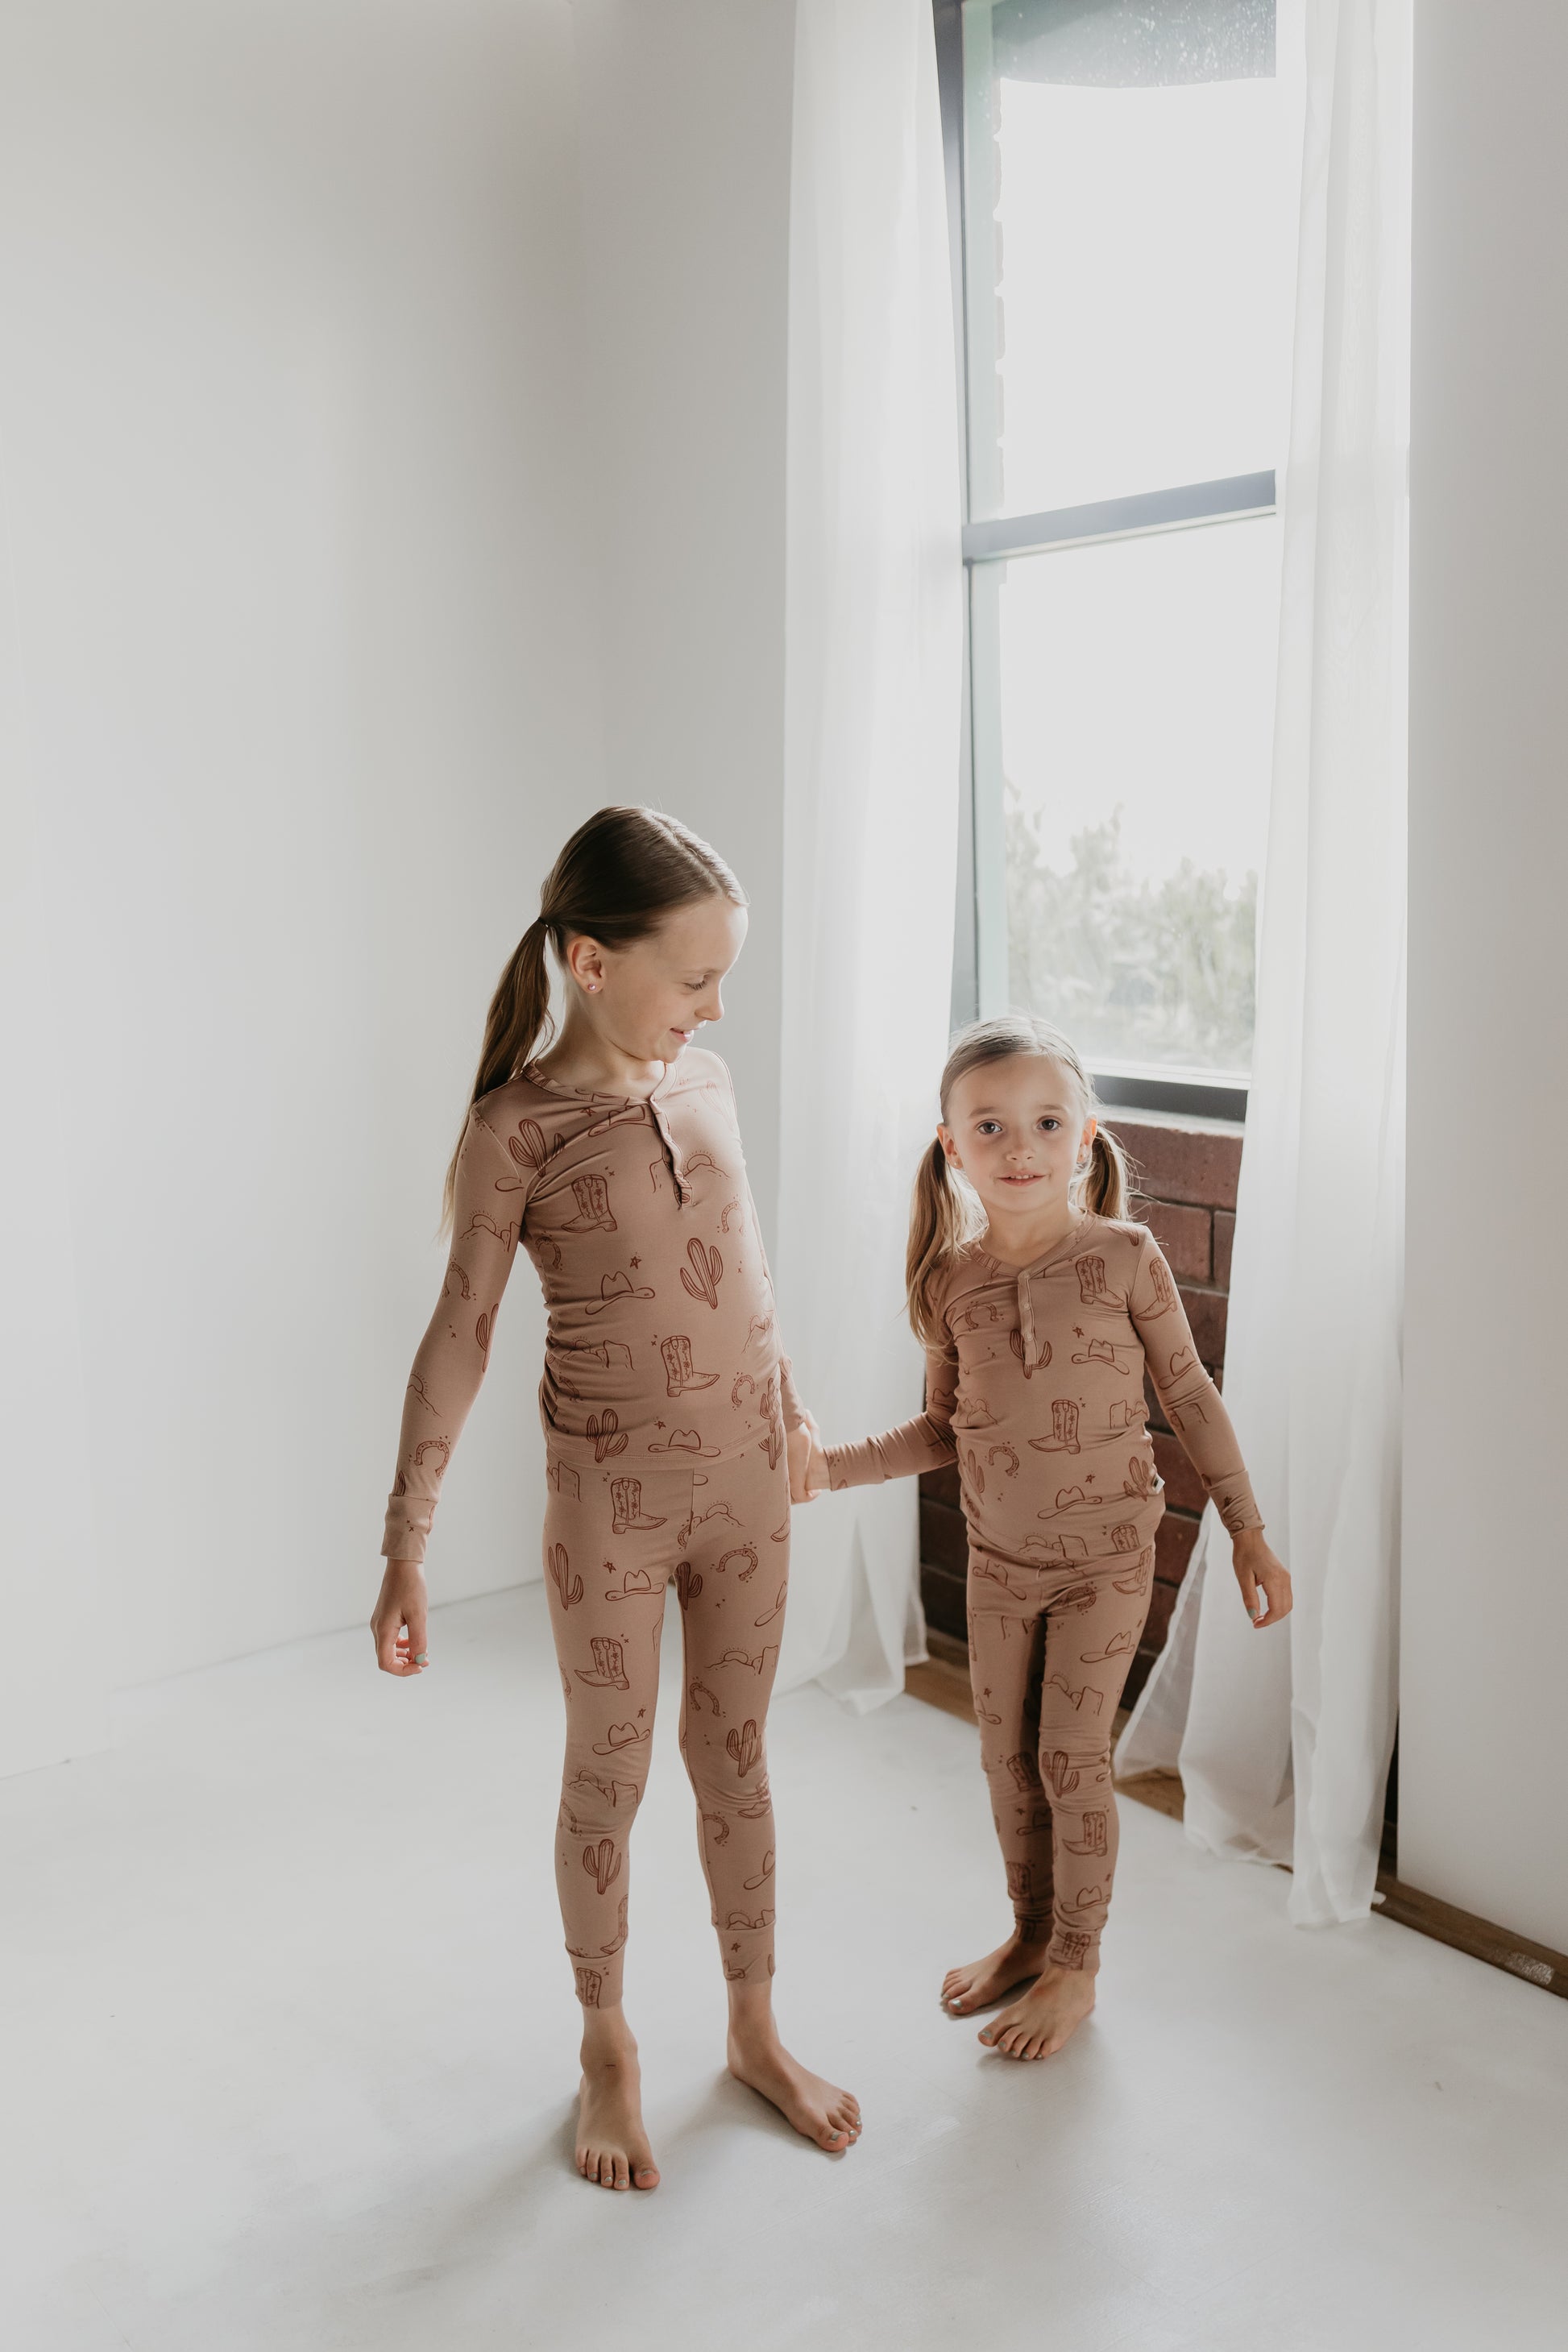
column 636, row 1213
column 1035, row 1390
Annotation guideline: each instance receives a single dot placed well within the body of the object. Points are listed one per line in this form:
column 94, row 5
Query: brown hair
column 943, row 1216
column 615, row 880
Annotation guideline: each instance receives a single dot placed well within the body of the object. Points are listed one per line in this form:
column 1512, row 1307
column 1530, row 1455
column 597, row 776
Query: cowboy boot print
column 609, row 1666
column 1094, row 1840
column 1165, row 1292
column 678, row 1375
column 590, row 1983
column 1136, row 1579
column 626, row 1501
column 1026, row 1775
column 569, row 1587
column 1091, row 1282
column 1020, row 1882
column 607, row 1435
column 1071, row 1950
column 1125, row 1536
column 592, row 1197
column 706, row 1271
column 1064, row 1436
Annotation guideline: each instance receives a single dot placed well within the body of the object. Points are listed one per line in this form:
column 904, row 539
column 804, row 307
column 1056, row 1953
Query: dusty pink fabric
column 639, row 1221
column 665, row 1400
column 1036, row 1391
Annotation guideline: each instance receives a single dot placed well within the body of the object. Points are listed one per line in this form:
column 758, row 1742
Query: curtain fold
column 873, row 677
column 1283, row 1742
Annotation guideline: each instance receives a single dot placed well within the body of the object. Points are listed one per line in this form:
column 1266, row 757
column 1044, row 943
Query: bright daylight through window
column 1128, row 273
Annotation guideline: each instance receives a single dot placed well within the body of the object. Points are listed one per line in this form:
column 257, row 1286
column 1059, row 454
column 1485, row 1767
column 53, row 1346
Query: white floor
column 288, row 2061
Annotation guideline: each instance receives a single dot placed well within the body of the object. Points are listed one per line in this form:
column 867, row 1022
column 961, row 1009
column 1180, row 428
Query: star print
column 1077, row 1331
column 635, row 1263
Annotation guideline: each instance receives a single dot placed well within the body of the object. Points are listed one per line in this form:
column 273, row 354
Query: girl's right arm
column 487, row 1219
column 923, row 1443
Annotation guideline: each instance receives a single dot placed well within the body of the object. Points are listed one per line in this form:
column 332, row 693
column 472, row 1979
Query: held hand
column 808, row 1464
column 1265, row 1580
column 398, row 1621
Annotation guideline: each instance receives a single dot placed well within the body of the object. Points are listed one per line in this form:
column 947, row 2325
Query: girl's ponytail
column 1108, row 1183
column 519, row 1018
column 940, row 1223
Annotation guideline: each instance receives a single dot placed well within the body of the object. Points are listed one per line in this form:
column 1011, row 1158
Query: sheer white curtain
column 1283, row 1740
column 873, row 661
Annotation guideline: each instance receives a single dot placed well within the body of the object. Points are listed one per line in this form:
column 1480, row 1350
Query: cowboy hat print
column 684, row 1441
column 613, row 1288
column 635, row 1585
column 619, row 1736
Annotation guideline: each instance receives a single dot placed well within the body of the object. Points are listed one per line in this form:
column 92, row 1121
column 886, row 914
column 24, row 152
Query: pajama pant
column 1049, row 1649
column 613, row 1537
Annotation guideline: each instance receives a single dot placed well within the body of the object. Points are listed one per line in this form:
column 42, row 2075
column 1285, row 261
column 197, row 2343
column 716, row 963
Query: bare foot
column 612, row 2145
column 1045, row 2018
column 980, row 1983
column 818, row 2110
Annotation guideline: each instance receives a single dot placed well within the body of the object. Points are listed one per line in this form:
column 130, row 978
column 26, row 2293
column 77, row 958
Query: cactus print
column 659, row 1540
column 1060, row 1576
column 618, row 1259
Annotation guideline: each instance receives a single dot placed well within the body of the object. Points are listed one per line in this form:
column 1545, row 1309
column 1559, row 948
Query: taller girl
column 614, row 1159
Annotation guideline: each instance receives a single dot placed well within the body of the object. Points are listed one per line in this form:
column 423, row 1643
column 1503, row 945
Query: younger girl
column 614, row 1159
column 1039, row 1320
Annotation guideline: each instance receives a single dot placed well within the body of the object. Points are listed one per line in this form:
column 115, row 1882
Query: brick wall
column 1187, row 1170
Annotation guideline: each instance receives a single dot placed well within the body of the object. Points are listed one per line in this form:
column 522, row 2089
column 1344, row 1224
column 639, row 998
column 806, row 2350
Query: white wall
column 289, row 424
column 685, row 177
column 1483, row 1822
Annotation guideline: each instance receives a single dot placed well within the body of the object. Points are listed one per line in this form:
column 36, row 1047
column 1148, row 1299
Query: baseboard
column 943, row 1681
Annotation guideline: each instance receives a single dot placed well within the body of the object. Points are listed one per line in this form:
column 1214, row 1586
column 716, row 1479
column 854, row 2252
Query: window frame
column 1182, row 506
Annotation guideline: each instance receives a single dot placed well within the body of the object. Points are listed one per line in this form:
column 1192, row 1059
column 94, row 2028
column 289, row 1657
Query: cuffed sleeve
column 490, row 1192
column 1188, row 1397
column 923, row 1443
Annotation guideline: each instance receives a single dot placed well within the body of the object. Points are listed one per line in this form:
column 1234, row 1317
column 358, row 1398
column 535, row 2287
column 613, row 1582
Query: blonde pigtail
column 1108, row 1185
column 940, row 1223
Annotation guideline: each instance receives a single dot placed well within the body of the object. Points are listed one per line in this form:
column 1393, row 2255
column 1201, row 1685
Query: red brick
column 1206, row 1312
column 1183, row 1233
column 1224, row 1235
column 1173, row 1546
column 1184, row 1487
column 1161, row 1604
column 943, row 1597
column 944, row 1539
column 942, row 1485
column 1138, row 1673
column 1183, row 1163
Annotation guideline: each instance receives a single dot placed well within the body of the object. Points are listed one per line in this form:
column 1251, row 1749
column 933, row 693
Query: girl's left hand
column 1265, row 1580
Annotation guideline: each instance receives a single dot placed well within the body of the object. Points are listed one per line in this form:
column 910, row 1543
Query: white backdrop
column 874, row 650
column 289, row 410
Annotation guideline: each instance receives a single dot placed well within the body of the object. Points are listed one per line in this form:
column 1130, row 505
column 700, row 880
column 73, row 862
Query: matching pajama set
column 1036, row 1391
column 665, row 1400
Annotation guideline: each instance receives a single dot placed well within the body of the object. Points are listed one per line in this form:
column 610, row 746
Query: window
column 1125, row 219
